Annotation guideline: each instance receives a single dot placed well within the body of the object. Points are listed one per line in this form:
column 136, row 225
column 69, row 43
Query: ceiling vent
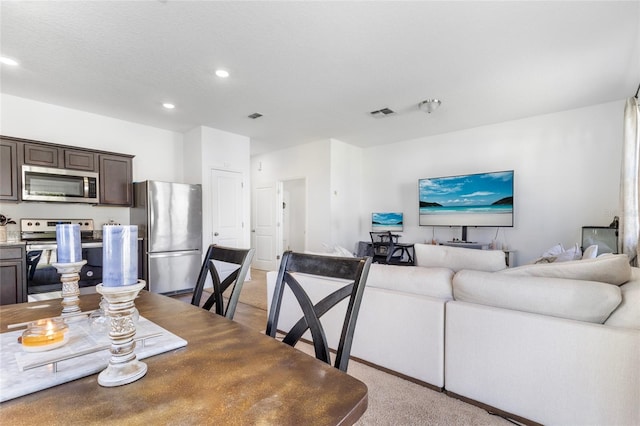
column 382, row 112
column 255, row 115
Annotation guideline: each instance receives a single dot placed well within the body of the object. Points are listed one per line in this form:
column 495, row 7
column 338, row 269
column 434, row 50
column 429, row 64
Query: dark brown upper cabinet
column 9, row 171
column 80, row 160
column 41, row 155
column 56, row 157
column 115, row 170
column 116, row 175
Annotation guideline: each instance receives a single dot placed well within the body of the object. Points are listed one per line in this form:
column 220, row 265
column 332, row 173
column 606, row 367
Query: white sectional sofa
column 401, row 321
column 550, row 343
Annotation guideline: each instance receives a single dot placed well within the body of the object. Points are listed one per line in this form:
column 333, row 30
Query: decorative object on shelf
column 44, row 335
column 124, row 367
column 70, row 275
column 616, row 223
column 119, row 255
column 429, row 105
column 4, row 221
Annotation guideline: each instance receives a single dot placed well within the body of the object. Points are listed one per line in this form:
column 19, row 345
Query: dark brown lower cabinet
column 13, row 280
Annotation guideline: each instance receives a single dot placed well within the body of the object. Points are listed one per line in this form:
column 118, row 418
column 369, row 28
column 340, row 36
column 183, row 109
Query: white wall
column 158, row 153
column 294, row 226
column 567, row 169
column 346, row 184
column 192, row 156
column 310, row 161
column 229, row 152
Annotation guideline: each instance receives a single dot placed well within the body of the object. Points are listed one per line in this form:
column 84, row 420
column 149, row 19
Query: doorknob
column 215, row 234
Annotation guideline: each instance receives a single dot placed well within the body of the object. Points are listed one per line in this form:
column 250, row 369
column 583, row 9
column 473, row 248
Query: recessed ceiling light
column 8, row 61
column 167, row 105
column 222, row 73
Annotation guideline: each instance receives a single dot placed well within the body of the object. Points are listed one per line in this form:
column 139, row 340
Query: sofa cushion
column 628, row 312
column 434, row 282
column 611, row 269
column 564, row 298
column 458, row 258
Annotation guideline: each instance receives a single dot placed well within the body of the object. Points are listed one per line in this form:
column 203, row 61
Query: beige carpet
column 392, row 400
column 395, row 401
column 254, row 291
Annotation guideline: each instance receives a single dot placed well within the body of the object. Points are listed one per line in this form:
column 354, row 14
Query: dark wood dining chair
column 230, row 263
column 384, row 245
column 355, row 270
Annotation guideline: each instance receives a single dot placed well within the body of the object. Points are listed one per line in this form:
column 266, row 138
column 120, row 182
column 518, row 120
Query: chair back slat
column 241, row 258
column 354, row 270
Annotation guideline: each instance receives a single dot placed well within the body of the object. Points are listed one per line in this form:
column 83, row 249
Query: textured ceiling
column 316, row 69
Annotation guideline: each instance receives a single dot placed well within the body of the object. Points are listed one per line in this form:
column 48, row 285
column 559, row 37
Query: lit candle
column 68, row 242
column 44, row 333
column 119, row 255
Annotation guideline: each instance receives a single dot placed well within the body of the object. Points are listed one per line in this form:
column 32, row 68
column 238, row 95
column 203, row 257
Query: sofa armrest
column 549, row 370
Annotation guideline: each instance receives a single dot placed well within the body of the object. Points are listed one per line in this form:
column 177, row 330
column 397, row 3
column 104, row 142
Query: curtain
column 629, row 191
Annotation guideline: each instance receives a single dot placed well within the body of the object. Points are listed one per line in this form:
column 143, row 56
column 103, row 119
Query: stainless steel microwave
column 63, row 185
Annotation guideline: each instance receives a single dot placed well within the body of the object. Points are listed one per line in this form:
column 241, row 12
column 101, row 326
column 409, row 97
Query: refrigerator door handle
column 174, row 254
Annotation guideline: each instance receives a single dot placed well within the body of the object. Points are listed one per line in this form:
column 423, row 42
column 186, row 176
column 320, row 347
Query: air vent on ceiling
column 255, row 115
column 382, row 112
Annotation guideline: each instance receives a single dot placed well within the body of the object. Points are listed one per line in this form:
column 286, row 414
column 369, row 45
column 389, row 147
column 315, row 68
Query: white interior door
column 226, row 208
column 263, row 233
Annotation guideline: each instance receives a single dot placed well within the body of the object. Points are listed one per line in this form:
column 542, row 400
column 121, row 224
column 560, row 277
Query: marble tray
column 24, row 372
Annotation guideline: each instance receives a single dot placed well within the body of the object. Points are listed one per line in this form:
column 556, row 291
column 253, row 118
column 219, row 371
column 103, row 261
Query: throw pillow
column 573, row 253
column 591, row 252
column 553, row 251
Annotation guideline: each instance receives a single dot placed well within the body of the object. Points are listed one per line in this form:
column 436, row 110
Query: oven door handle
column 95, row 244
column 54, row 246
column 45, row 246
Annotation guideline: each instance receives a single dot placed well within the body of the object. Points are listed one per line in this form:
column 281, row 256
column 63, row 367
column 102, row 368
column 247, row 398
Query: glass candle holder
column 44, row 335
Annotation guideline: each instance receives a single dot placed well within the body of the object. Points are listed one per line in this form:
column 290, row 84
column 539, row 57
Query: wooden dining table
column 227, row 374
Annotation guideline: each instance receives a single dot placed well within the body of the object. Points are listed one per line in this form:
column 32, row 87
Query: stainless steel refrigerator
column 169, row 217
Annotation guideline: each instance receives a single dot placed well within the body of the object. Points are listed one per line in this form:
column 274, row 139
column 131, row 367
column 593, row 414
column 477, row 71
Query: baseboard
column 493, row 410
column 399, row 375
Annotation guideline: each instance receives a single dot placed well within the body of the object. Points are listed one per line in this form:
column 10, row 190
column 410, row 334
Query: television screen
column 386, row 222
column 482, row 199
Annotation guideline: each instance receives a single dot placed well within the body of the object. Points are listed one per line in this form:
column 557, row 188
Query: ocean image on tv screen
column 386, row 221
column 484, row 199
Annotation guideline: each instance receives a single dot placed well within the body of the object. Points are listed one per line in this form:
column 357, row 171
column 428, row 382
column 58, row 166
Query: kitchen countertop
column 13, row 243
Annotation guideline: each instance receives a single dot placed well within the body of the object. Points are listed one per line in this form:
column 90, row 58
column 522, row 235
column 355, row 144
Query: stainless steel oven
column 49, row 184
column 43, row 280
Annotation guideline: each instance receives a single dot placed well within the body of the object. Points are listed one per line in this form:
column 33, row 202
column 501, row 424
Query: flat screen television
column 481, row 199
column 386, row 221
